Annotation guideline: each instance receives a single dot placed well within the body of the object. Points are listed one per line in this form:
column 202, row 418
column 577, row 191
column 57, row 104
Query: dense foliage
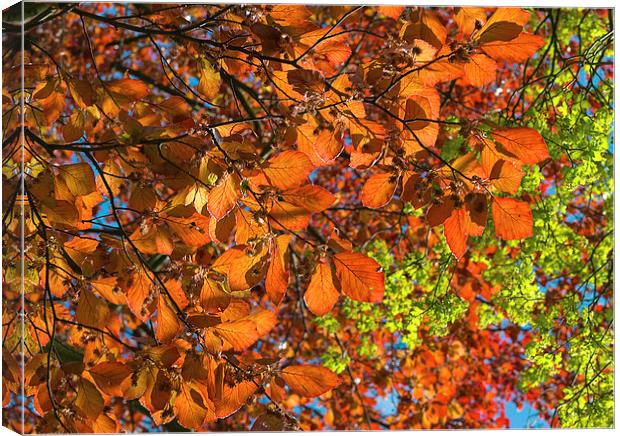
column 290, row 217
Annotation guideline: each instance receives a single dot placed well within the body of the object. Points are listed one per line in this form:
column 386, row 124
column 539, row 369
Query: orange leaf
column 243, row 267
column 505, row 24
column 91, row 311
column 378, row 190
column 109, row 376
column 309, row 380
column 192, row 230
column 130, row 88
column 439, row 212
column 288, row 169
column 106, row 287
column 212, row 296
column 287, row 216
column 137, row 295
column 455, row 230
column 480, row 70
column 265, row 320
column 192, row 408
column 321, row 295
column 223, row 197
column 513, row 218
column 174, row 288
column 504, row 176
column 328, row 145
column 88, row 399
column 168, row 325
column 239, row 334
column 516, row 50
column 359, row 276
column 233, row 397
column 391, row 11
column 82, row 92
column 311, row 197
column 156, row 240
column 79, row 178
column 276, row 280
column 523, row 142
column 74, row 129
column 210, row 80
column 467, row 17
column 53, row 106
column 477, row 210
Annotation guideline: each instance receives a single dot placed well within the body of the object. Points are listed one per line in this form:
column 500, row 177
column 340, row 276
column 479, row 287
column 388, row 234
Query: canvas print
column 283, row 217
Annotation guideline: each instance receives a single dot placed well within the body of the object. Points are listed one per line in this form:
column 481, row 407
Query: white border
column 538, row 3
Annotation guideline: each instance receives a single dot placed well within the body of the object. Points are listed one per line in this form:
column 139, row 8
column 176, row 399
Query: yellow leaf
column 74, row 129
column 79, row 178
column 210, row 80
column 91, row 311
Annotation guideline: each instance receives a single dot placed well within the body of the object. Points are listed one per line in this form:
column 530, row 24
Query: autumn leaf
column 108, row 289
column 79, row 178
column 455, row 229
column 192, row 408
column 239, row 334
column 233, row 397
column 467, row 17
column 276, row 281
column 314, row 198
column 523, row 142
column 359, row 276
column 88, row 399
column 109, row 377
column 480, row 70
column 243, row 268
column 91, row 311
column 288, row 170
column 137, row 294
column 504, row 25
column 322, row 294
column 516, row 50
column 74, row 129
column 309, row 380
column 213, row 298
column 168, row 325
column 379, row 190
column 223, row 197
column 209, row 84
column 129, row 88
column 513, row 218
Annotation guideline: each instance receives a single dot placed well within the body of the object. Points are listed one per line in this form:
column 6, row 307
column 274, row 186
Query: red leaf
column 322, row 295
column 359, row 276
column 513, row 218
column 276, row 280
column 455, row 229
column 523, row 142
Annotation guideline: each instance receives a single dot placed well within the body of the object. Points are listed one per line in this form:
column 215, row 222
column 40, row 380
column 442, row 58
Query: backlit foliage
column 306, row 217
